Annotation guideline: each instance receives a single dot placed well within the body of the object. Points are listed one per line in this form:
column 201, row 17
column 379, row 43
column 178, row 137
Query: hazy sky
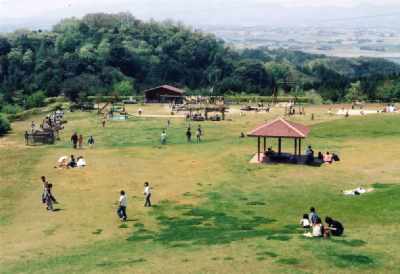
column 198, row 12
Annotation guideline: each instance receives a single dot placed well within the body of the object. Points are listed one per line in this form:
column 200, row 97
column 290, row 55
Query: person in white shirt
column 147, row 194
column 305, row 222
column 317, row 228
column 81, row 162
column 123, row 203
column 163, row 137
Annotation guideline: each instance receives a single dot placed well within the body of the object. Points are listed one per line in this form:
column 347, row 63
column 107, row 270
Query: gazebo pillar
column 299, row 146
column 258, row 146
column 295, row 146
column 279, row 145
column 265, row 144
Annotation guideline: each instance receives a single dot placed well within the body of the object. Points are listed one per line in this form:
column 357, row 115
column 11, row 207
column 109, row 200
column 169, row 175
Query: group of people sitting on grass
column 314, row 227
column 327, row 158
column 64, row 162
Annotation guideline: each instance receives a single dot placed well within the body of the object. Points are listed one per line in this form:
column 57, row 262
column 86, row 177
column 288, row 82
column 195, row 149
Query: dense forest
column 104, row 54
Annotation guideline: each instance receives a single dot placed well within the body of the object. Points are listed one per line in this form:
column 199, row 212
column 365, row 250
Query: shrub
column 4, row 125
column 314, row 97
column 11, row 109
column 124, row 88
column 37, row 99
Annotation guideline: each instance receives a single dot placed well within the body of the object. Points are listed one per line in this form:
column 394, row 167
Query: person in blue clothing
column 313, row 215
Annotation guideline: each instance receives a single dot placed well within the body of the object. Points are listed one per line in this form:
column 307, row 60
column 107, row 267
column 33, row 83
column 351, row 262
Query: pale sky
column 197, row 12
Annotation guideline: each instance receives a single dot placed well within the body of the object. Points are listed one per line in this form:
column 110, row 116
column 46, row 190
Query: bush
column 314, row 97
column 11, row 109
column 124, row 88
column 4, row 125
column 35, row 100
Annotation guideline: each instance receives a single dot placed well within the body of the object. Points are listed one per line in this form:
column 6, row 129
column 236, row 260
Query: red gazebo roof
column 280, row 128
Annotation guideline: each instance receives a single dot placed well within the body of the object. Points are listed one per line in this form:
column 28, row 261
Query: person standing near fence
column 147, row 195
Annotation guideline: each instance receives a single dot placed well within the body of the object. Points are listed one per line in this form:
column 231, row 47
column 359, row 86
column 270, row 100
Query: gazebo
column 280, row 128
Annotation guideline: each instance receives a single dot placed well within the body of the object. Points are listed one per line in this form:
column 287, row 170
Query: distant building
column 164, row 94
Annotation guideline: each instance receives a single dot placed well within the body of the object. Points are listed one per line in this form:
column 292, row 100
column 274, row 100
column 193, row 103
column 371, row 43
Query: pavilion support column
column 258, row 146
column 295, row 146
column 299, row 146
column 223, row 114
column 265, row 144
column 279, row 145
column 206, row 114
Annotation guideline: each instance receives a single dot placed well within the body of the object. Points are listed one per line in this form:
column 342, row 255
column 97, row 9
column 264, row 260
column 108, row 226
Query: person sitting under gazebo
column 269, row 152
column 309, row 155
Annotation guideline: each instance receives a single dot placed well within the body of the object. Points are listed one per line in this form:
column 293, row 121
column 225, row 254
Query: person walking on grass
column 199, row 133
column 90, row 141
column 189, row 135
column 45, row 187
column 163, row 137
column 123, row 203
column 80, row 141
column 49, row 198
column 74, row 140
column 147, row 195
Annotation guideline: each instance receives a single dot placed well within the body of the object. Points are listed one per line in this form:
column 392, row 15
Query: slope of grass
column 214, row 212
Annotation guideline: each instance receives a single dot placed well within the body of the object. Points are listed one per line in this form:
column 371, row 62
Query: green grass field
column 214, row 211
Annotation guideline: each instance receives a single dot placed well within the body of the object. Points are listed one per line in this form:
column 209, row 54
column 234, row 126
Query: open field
column 214, row 212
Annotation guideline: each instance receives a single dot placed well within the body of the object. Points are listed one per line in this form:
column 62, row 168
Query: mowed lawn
column 214, row 212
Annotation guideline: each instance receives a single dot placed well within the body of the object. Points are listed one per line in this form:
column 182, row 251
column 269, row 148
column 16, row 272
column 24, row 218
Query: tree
column 37, row 99
column 124, row 88
column 354, row 93
column 4, row 125
column 5, row 46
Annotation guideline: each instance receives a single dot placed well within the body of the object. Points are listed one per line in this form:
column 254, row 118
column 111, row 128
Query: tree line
column 106, row 54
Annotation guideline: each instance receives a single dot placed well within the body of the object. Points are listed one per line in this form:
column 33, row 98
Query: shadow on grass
column 353, row 243
column 200, row 226
column 119, row 263
column 97, row 231
column 381, row 186
column 352, row 260
column 288, row 261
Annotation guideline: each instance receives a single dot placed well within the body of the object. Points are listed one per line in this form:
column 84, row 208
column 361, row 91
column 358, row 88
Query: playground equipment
column 48, row 132
column 293, row 108
column 201, row 112
column 40, row 137
column 118, row 112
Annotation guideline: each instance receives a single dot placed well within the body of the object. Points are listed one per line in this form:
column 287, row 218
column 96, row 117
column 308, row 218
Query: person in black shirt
column 334, row 228
column 189, row 135
column 74, row 139
column 72, row 162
